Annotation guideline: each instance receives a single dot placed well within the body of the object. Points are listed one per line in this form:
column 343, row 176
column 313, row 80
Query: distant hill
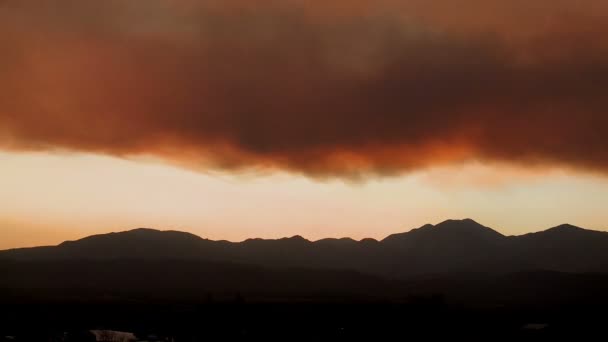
column 453, row 246
column 178, row 279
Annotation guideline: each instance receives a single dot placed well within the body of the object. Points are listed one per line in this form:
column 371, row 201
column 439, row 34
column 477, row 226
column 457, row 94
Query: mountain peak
column 336, row 242
column 565, row 228
column 453, row 222
column 451, row 229
column 133, row 236
column 296, row 238
column 143, row 230
column 467, row 226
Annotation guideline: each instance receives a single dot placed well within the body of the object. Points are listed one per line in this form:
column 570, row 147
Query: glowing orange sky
column 48, row 198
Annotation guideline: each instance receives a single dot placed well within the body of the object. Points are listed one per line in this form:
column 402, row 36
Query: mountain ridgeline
column 453, row 246
column 456, row 277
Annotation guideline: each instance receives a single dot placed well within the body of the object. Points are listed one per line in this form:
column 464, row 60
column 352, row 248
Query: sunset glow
column 48, row 198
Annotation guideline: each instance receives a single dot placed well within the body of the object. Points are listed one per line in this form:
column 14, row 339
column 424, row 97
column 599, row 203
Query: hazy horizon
column 193, row 231
column 48, row 198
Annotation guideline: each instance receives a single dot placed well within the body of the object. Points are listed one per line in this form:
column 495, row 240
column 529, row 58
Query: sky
column 324, row 119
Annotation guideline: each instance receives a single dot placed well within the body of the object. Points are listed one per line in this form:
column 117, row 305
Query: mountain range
column 453, row 246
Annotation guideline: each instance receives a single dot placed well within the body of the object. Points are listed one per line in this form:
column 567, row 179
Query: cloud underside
column 327, row 89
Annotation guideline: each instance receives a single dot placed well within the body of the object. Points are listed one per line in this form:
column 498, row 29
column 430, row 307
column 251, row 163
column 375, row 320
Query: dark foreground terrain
column 314, row 321
column 153, row 302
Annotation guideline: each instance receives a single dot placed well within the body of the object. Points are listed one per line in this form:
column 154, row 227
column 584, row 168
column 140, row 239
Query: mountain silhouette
column 564, row 248
column 451, row 231
column 446, row 248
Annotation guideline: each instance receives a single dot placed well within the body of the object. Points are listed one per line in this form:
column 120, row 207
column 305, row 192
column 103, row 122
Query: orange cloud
column 332, row 89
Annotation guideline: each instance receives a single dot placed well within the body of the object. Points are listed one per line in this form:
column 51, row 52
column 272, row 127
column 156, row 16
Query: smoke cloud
column 327, row 89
